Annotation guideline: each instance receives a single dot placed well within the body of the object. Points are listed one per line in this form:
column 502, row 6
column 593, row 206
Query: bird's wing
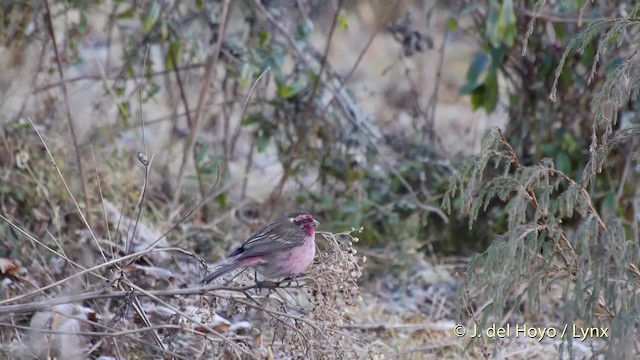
column 272, row 237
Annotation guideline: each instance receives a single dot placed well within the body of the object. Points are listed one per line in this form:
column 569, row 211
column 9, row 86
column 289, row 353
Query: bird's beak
column 315, row 223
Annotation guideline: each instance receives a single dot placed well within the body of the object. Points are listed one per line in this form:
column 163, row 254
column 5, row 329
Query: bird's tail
column 221, row 270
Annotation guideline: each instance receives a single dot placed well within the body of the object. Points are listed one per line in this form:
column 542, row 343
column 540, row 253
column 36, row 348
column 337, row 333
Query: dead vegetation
column 135, row 296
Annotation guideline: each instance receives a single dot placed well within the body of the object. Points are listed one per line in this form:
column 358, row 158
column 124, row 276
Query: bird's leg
column 258, row 282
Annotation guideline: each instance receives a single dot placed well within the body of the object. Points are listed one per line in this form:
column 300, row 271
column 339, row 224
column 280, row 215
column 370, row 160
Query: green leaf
column 164, row 30
column 498, row 57
column 19, row 194
column 291, row 90
column 393, row 218
column 5, row 189
column 263, row 37
column 127, row 14
column 506, row 25
column 549, row 149
column 478, row 97
column 201, row 152
column 587, row 56
column 304, row 30
column 222, row 200
column 149, row 19
column 467, row 88
column 569, row 143
column 255, row 118
column 492, row 32
column 609, row 202
column 83, row 25
column 152, row 90
column 563, row 163
column 491, row 95
column 262, row 141
column 452, row 24
column 486, row 95
column 172, row 59
column 124, row 112
column 118, row 90
column 246, row 75
column 546, row 65
column 342, row 22
column 477, row 67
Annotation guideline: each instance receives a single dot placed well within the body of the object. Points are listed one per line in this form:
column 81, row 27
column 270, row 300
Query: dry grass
column 123, row 292
column 145, row 303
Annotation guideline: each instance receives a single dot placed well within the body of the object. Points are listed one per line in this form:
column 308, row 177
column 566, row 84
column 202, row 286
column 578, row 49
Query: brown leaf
column 10, row 267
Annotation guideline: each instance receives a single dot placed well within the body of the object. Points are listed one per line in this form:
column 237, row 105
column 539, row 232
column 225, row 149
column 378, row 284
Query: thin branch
column 110, row 77
column 89, row 270
column 433, row 101
column 221, row 168
column 64, row 182
column 380, row 26
column 144, row 62
column 33, row 239
column 146, row 162
column 106, row 293
column 104, row 210
column 323, row 61
column 208, row 75
column 190, row 318
column 72, row 127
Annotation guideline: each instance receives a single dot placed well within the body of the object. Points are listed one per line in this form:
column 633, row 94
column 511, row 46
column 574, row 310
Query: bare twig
column 433, row 101
column 33, row 81
column 208, row 75
column 294, row 149
column 146, row 162
column 323, row 61
column 104, row 210
column 144, row 62
column 99, row 333
column 106, row 293
column 221, row 168
column 138, row 308
column 346, row 109
column 110, row 77
column 380, row 26
column 136, row 302
column 64, row 182
column 93, row 269
column 72, row 128
column 190, row 318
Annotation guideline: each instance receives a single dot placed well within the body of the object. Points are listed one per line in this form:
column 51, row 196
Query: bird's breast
column 300, row 257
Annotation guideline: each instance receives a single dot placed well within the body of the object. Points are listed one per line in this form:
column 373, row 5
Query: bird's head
column 304, row 221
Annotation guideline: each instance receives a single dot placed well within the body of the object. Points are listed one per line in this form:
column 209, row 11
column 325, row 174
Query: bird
column 283, row 248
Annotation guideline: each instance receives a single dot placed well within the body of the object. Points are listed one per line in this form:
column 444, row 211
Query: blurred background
column 362, row 111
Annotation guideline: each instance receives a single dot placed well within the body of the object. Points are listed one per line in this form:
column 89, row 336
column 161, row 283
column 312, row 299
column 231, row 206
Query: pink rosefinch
column 282, row 248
